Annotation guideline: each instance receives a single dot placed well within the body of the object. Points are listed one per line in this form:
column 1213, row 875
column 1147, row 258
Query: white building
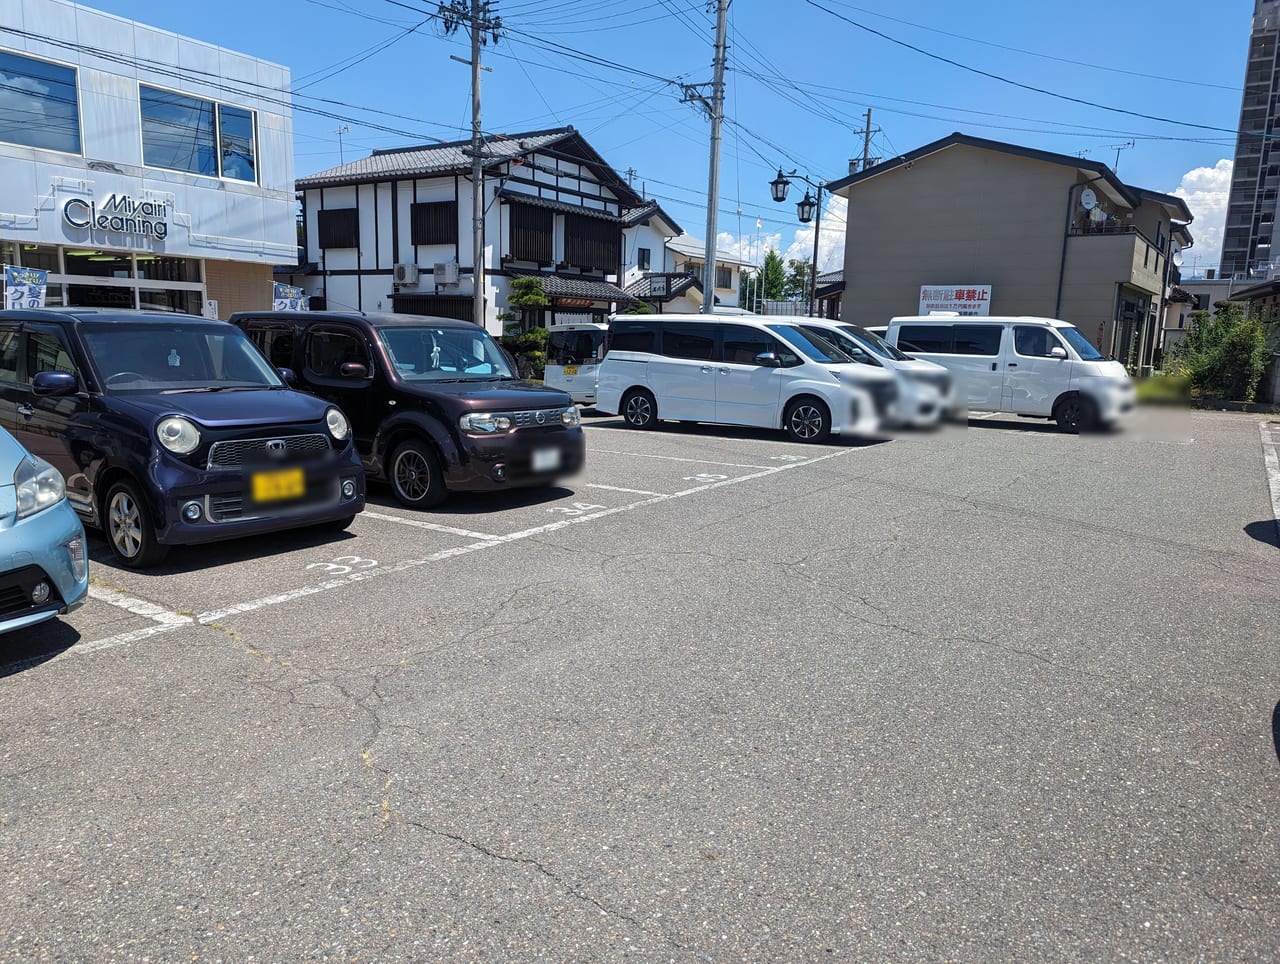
column 138, row 167
column 392, row 231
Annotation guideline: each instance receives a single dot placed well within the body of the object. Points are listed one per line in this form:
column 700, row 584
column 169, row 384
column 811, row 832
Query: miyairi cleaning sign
column 119, row 214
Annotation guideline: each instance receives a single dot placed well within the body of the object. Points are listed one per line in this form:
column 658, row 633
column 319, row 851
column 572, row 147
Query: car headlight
column 339, row 427
column 178, row 435
column 484, row 423
column 39, row 486
column 570, row 416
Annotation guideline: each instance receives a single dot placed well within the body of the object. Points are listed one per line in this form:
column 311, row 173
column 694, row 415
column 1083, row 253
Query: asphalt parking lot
column 990, row 693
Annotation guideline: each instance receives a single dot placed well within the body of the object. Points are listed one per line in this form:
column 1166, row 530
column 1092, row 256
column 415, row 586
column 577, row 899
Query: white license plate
column 546, row 460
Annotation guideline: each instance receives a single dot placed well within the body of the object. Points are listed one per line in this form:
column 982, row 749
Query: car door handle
column 706, row 370
column 1013, row 364
column 26, row 410
column 993, row 366
column 724, row 371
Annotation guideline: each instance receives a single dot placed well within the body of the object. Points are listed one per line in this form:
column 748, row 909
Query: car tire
column 416, row 476
column 807, row 420
column 640, row 409
column 1076, row 414
column 129, row 528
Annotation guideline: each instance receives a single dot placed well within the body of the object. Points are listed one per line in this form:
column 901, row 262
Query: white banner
column 24, row 287
column 962, row 299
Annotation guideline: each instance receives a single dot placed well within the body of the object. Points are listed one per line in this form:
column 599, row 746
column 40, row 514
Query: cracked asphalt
column 985, row 694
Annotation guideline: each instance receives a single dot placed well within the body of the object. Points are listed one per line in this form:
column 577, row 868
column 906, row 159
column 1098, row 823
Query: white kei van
column 751, row 370
column 928, row 389
column 574, row 352
column 1036, row 367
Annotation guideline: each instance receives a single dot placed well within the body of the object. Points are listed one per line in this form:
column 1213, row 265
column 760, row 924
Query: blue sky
column 799, row 83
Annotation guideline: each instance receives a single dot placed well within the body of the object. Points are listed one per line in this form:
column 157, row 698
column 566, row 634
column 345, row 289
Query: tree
column 526, row 294
column 639, row 308
column 797, row 285
column 773, row 277
column 1224, row 355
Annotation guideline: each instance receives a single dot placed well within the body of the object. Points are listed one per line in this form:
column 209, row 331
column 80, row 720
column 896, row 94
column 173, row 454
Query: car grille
column 939, row 380
column 883, row 394
column 15, row 592
column 529, row 419
column 232, row 507
column 236, row 453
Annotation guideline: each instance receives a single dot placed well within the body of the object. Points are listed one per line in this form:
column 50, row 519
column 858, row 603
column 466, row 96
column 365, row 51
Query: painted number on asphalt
column 705, row 477
column 578, row 508
column 343, row 565
column 786, row 458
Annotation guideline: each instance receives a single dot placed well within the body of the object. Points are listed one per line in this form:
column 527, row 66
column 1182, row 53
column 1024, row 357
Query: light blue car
column 44, row 563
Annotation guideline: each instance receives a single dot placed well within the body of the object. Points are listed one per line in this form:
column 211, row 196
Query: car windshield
column 433, row 354
column 1083, row 346
column 811, row 345
column 182, row 356
column 876, row 343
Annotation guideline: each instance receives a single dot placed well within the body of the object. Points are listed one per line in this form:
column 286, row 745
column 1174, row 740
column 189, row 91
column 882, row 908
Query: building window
column 592, row 244
column 724, row 277
column 642, row 259
column 38, row 105
column 531, row 234
column 434, row 222
column 339, row 228
column 181, row 133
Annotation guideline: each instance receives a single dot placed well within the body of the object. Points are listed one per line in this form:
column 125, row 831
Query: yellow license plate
column 571, row 369
column 279, row 485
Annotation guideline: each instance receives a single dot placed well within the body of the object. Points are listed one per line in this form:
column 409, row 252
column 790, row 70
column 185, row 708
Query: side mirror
column 353, row 369
column 1057, row 351
column 55, row 383
column 289, row 375
column 768, row 359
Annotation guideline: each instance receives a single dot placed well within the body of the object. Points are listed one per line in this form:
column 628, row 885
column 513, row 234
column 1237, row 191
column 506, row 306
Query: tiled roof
column 560, row 206
column 649, row 209
column 677, row 284
column 687, row 244
column 428, row 159
column 575, row 286
column 831, row 277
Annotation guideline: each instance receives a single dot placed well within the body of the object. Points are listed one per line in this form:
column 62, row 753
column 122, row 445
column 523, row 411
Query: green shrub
column 1224, row 355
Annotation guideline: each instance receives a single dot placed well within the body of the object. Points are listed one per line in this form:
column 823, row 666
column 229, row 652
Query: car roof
column 93, row 316
column 380, row 319
column 982, row 319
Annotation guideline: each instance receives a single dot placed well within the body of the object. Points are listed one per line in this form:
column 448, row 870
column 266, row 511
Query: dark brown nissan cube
column 433, row 402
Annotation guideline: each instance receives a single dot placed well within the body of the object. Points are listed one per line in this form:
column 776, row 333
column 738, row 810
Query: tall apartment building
column 1254, row 204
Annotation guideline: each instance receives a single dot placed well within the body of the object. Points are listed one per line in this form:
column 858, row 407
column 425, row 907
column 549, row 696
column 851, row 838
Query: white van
column 746, row 370
column 574, row 352
column 1037, row 367
column 928, row 390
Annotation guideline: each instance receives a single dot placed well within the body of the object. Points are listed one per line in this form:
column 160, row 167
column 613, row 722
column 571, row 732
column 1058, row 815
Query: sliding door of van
column 748, row 393
column 1034, row 378
column 973, row 352
column 682, row 375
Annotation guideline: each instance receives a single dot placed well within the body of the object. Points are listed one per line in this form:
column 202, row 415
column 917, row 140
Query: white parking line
column 421, row 524
column 672, row 458
column 366, row 574
column 614, row 488
column 139, row 607
column 1271, row 458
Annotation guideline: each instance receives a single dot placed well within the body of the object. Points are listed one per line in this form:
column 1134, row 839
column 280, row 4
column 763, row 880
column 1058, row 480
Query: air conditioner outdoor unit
column 406, row 274
column 446, row 273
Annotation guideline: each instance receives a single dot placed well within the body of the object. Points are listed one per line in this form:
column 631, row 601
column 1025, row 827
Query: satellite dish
column 1177, row 258
column 1088, row 200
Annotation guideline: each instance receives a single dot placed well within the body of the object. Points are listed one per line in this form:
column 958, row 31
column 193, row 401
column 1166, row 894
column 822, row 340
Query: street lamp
column 808, row 209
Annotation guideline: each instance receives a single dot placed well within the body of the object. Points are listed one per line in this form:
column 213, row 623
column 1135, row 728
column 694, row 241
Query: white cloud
column 798, row 243
column 1206, row 189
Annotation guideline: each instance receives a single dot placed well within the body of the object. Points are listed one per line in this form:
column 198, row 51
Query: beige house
column 1050, row 234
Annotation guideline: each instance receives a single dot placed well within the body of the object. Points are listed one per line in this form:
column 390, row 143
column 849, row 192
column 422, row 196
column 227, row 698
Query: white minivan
column 928, row 390
column 574, row 352
column 751, row 370
column 1037, row 367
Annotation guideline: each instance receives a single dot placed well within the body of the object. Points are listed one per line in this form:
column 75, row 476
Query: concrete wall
column 960, row 216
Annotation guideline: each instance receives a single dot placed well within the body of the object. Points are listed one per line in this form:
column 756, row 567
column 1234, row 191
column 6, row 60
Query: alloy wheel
column 412, row 475
column 806, row 421
column 639, row 411
column 125, row 522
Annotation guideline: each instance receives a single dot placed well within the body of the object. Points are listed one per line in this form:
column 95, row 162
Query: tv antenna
column 1118, row 148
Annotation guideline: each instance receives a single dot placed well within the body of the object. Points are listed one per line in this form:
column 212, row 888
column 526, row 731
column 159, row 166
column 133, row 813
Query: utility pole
column 866, row 142
column 715, row 109
column 344, row 129
column 455, row 15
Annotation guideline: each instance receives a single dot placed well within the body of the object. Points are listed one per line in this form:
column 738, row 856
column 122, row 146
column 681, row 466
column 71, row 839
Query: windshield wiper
column 214, row 388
